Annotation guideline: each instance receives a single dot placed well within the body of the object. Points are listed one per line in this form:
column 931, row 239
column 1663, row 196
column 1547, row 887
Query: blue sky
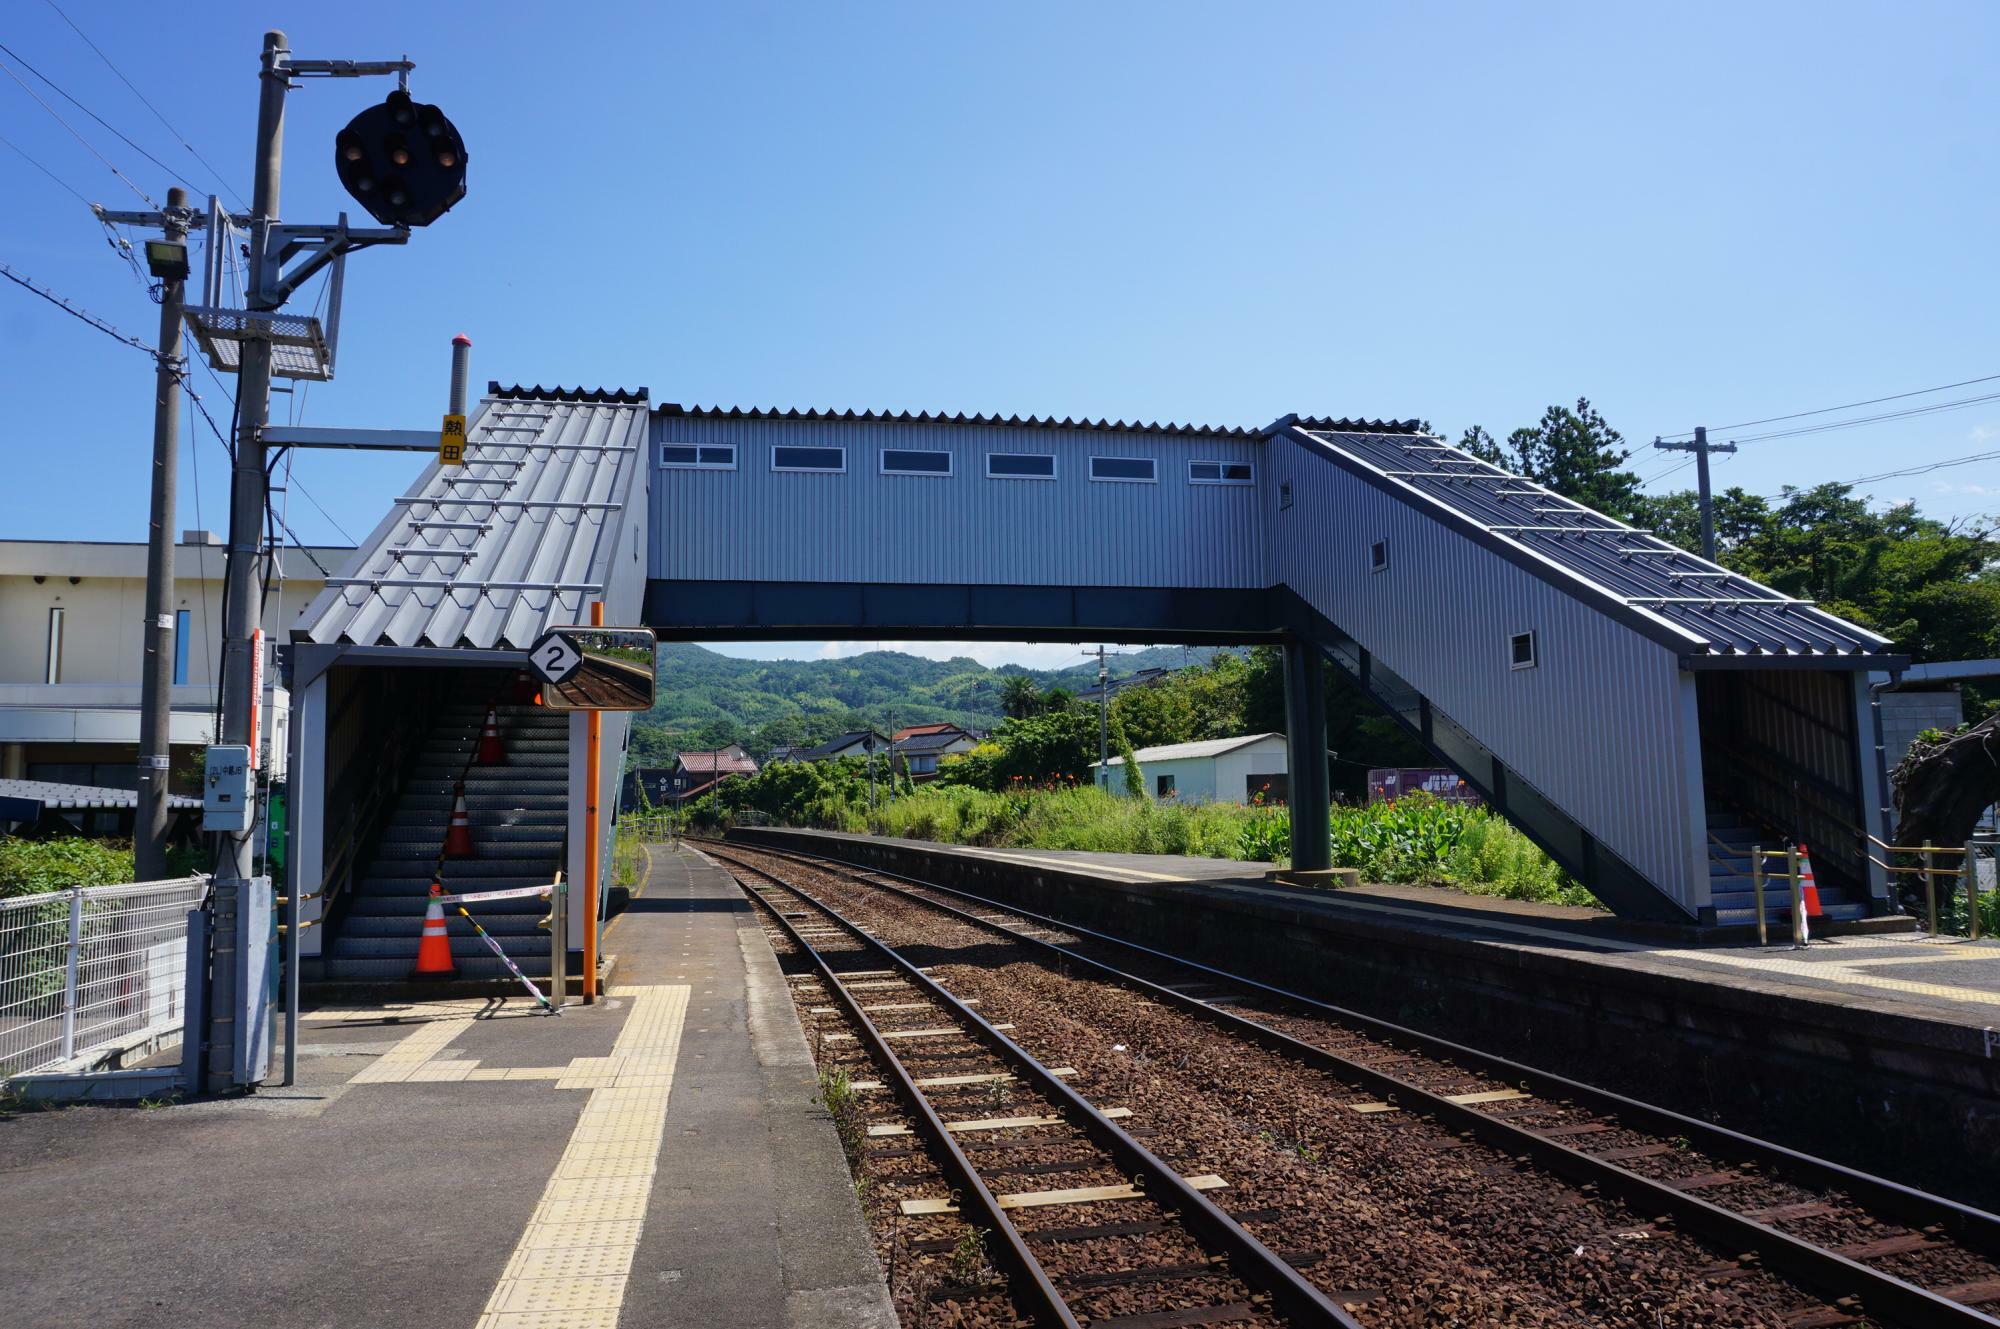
column 1692, row 214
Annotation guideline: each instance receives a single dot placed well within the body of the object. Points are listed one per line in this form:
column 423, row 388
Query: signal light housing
column 380, row 163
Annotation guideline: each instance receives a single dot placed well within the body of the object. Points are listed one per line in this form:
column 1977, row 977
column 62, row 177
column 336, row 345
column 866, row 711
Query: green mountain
column 706, row 699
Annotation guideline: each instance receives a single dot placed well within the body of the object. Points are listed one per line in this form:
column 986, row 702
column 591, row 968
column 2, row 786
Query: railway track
column 1869, row 1249
column 1195, row 1265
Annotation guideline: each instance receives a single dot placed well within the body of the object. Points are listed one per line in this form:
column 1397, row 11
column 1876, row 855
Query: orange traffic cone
column 1807, row 888
column 434, row 947
column 458, row 836
column 490, row 752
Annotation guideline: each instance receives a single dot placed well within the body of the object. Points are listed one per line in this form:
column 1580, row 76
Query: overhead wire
column 1831, row 425
column 85, row 315
column 78, row 136
column 45, row 170
column 1850, row 406
column 219, row 177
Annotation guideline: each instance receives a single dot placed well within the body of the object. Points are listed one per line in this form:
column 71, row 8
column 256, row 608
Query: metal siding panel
column 1595, row 727
column 862, row 526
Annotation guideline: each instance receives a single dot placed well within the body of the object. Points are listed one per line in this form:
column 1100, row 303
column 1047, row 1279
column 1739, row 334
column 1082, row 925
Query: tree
column 1019, row 697
column 1574, row 452
column 1154, row 715
column 1055, row 747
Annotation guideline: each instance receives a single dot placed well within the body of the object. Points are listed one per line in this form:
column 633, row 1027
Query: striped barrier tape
column 512, row 968
column 511, row 893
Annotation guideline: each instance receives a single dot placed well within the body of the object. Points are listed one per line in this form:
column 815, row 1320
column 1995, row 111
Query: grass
column 628, row 853
column 1417, row 840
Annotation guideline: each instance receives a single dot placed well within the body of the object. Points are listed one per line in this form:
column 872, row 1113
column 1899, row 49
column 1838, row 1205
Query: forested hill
column 707, row 699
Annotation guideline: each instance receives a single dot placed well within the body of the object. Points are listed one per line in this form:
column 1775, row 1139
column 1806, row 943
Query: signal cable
column 219, row 179
column 148, row 198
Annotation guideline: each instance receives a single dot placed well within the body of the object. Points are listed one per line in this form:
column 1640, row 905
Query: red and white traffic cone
column 434, row 947
column 490, row 752
column 458, row 836
column 1807, row 888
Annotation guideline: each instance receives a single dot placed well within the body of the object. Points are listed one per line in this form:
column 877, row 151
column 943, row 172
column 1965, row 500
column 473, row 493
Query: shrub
column 28, row 867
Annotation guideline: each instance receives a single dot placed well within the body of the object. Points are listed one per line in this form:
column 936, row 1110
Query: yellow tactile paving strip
column 569, row 1269
column 1848, row 973
column 413, row 1057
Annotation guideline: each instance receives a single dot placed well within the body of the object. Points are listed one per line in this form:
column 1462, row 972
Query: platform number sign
column 555, row 657
column 451, row 441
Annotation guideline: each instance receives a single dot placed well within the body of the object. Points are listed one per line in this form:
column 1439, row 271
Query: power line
column 219, row 179
column 1923, row 469
column 79, row 137
column 74, row 312
column 45, row 170
column 1905, row 414
column 1853, row 405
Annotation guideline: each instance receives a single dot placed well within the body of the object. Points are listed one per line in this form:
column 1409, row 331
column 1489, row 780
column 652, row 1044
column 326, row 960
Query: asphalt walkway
column 651, row 1160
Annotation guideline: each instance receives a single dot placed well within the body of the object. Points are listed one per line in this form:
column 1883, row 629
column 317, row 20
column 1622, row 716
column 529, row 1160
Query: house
column 645, row 785
column 855, row 743
column 920, row 747
column 71, row 655
column 695, row 773
column 1217, row 770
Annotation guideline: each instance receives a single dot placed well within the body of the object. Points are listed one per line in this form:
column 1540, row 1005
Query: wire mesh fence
column 92, row 968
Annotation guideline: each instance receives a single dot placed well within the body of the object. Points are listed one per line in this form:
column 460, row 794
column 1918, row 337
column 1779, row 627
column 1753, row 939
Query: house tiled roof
column 731, row 759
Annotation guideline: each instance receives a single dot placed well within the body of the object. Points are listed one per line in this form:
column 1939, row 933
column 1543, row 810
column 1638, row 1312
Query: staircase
column 1731, row 837
column 519, row 813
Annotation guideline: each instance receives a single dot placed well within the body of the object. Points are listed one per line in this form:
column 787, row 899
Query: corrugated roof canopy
column 1206, row 747
column 1710, row 608
column 489, row 554
column 83, row 797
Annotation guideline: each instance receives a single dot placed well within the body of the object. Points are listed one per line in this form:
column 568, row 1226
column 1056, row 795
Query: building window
column 52, row 667
column 1378, row 556
column 1284, row 494
column 1125, row 470
column 1220, row 473
column 698, row 457
column 905, row 461
column 808, row 459
column 181, row 624
column 1020, row 466
column 1163, row 786
column 1521, row 651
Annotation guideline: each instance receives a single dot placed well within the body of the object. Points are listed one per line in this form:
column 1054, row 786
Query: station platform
column 1858, row 1045
column 654, row 1159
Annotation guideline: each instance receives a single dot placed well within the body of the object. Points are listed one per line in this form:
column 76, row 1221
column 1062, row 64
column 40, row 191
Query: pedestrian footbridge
column 1641, row 713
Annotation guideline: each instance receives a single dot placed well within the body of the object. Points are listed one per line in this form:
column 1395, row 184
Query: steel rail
column 1822, row 1271
column 1032, row 1278
column 1251, row 1259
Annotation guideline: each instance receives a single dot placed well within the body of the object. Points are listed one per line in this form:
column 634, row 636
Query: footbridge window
column 1521, row 651
column 1378, row 556
column 904, row 461
column 1020, row 466
column 703, row 457
column 1124, row 470
column 809, row 459
column 1220, row 473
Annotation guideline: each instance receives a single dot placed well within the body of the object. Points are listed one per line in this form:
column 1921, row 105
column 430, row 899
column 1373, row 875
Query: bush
column 29, row 867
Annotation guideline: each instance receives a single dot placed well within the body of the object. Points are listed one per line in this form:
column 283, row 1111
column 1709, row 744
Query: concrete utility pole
column 243, row 616
column 1701, row 447
column 156, row 681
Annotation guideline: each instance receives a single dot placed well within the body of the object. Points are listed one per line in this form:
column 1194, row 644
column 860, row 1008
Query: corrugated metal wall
column 1600, row 726
column 753, row 524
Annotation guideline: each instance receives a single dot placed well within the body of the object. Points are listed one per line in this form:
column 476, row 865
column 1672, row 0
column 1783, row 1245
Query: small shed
column 1244, row 769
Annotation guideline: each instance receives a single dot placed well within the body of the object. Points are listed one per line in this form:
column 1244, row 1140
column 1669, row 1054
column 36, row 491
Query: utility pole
column 156, row 679
column 1103, row 720
column 1701, row 447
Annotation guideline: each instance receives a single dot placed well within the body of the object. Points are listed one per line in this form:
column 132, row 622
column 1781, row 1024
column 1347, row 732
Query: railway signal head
column 402, row 160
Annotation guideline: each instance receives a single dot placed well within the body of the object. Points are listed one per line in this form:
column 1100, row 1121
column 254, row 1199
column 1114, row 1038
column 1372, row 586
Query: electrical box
column 228, row 789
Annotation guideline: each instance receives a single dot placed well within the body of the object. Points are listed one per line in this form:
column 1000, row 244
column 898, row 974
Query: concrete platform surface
column 652, row 1160
column 1948, row 979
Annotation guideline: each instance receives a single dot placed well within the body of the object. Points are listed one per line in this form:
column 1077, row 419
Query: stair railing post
column 1968, row 866
column 69, row 972
column 1930, row 886
column 1757, row 894
column 1799, row 934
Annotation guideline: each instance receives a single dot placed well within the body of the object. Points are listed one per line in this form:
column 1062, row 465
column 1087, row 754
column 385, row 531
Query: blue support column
column 1305, row 733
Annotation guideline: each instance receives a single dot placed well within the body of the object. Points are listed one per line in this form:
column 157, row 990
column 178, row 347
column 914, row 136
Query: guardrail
column 92, row 970
column 1969, row 871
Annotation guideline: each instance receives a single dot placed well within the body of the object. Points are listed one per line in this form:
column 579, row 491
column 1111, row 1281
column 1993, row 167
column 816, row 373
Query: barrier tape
column 511, row 893
column 513, row 969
